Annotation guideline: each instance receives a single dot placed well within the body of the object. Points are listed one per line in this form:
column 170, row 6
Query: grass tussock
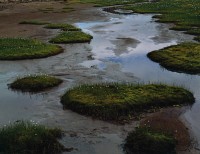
column 35, row 83
column 145, row 141
column 72, row 37
column 122, row 101
column 184, row 57
column 34, row 22
column 62, row 26
column 184, row 13
column 100, row 3
column 19, row 48
column 26, row 137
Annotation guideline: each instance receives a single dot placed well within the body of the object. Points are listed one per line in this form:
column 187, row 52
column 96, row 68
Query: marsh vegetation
column 28, row 137
column 183, row 57
column 19, row 49
column 35, row 83
column 118, row 101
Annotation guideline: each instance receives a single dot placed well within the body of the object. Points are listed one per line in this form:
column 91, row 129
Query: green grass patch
column 26, row 137
column 99, row 3
column 35, row 83
column 184, row 13
column 184, row 57
column 19, row 48
column 72, row 37
column 145, row 141
column 62, row 26
column 121, row 101
column 34, row 22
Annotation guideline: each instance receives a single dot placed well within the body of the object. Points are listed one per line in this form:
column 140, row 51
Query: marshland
column 97, row 75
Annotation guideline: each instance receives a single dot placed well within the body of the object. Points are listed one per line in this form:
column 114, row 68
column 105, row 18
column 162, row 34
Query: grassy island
column 35, row 83
column 26, row 137
column 146, row 141
column 72, row 37
column 119, row 101
column 183, row 57
column 62, row 26
column 19, row 49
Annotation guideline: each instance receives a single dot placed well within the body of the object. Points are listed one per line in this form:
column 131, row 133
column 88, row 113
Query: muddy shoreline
column 77, row 65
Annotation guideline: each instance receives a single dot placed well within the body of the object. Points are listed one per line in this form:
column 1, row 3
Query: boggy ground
column 9, row 27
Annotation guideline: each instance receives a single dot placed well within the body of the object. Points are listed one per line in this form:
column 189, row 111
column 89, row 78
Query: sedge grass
column 71, row 37
column 27, row 137
column 19, row 49
column 146, row 141
column 35, row 83
column 121, row 101
column 184, row 57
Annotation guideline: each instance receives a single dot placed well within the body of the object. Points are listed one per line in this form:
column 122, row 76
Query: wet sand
column 116, row 54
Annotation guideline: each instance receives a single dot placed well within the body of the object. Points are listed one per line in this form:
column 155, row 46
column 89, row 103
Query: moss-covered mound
column 119, row 101
column 18, row 49
column 184, row 57
column 72, row 37
column 35, row 83
column 29, row 138
column 62, row 26
column 145, row 141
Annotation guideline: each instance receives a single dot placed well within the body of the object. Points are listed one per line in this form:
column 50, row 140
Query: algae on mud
column 27, row 137
column 19, row 49
column 183, row 57
column 122, row 101
column 72, row 37
column 35, row 83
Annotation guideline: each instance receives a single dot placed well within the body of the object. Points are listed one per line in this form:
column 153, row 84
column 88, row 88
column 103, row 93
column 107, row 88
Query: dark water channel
column 116, row 53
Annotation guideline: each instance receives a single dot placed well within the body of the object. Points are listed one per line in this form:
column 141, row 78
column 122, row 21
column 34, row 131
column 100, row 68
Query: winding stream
column 116, row 53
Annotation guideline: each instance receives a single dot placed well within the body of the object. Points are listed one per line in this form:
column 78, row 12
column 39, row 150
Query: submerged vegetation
column 184, row 57
column 119, row 101
column 35, row 83
column 184, row 13
column 62, row 26
column 26, row 137
column 19, row 48
column 146, row 141
column 72, row 37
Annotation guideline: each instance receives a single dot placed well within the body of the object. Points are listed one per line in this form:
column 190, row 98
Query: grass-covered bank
column 100, row 3
column 35, row 83
column 122, row 101
column 184, row 13
column 19, row 48
column 26, row 137
column 72, row 37
column 62, row 26
column 145, row 141
column 184, row 57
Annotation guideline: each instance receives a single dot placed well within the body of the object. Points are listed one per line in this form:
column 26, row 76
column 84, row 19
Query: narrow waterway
column 117, row 53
